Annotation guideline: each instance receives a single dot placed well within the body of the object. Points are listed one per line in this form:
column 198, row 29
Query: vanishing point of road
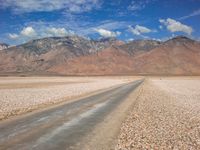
column 69, row 126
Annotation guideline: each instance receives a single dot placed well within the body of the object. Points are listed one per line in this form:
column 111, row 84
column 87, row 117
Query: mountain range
column 74, row 55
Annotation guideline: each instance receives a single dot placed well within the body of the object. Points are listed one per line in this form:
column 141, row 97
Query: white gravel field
column 166, row 116
column 23, row 94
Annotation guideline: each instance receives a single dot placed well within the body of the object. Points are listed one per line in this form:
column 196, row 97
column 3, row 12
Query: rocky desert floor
column 163, row 112
column 165, row 116
column 19, row 95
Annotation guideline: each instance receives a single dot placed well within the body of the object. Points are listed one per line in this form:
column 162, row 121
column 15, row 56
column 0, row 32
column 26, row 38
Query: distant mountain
column 179, row 40
column 3, row 46
column 41, row 54
column 75, row 55
column 77, row 45
column 110, row 61
column 178, row 56
column 140, row 46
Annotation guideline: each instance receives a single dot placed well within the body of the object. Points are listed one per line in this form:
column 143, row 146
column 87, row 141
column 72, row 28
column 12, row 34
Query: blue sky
column 24, row 20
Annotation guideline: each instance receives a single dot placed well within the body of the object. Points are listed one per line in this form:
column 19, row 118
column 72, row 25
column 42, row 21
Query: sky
column 24, row 20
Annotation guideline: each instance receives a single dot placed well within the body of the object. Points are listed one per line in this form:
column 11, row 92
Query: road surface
column 65, row 126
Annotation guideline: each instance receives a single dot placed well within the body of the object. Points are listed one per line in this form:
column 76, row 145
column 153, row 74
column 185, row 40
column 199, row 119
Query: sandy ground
column 24, row 94
column 166, row 115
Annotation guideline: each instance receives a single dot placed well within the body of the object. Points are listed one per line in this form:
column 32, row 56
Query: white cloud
column 72, row 6
column 176, row 26
column 107, row 33
column 138, row 30
column 25, row 34
column 28, row 31
column 80, row 27
column 13, row 36
column 194, row 13
column 57, row 32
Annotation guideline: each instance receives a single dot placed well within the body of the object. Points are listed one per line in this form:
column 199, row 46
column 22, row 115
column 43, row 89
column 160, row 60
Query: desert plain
column 165, row 115
column 19, row 95
column 162, row 113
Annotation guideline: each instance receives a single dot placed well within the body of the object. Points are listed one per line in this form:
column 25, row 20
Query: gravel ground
column 165, row 116
column 16, row 98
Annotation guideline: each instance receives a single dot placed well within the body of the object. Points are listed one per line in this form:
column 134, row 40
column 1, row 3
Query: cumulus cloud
column 107, row 33
column 176, row 26
column 25, row 34
column 28, row 31
column 73, row 6
column 138, row 30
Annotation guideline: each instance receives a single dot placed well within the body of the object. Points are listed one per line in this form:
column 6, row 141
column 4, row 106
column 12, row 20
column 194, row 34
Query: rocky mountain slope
column 42, row 54
column 179, row 56
column 75, row 55
column 139, row 46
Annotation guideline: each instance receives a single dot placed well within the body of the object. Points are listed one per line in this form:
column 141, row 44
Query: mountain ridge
column 81, row 56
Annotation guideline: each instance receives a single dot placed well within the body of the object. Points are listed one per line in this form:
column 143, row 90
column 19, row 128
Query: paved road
column 64, row 126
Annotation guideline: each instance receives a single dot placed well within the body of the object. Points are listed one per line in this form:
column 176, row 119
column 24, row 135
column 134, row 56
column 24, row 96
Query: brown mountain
column 42, row 54
column 80, row 56
column 179, row 56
